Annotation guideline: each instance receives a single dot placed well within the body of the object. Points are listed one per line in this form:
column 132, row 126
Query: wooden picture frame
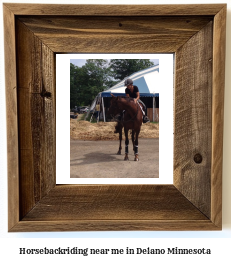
column 33, row 34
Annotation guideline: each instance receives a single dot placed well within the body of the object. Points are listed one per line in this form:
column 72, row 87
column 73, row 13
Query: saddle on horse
column 119, row 117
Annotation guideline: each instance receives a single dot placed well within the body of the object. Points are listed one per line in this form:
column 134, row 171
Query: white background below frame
column 63, row 120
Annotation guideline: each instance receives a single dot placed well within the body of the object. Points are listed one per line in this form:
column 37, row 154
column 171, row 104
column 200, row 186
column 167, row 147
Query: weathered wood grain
column 12, row 122
column 36, row 108
column 114, row 10
column 193, row 114
column 108, row 207
column 114, row 225
column 108, row 202
column 115, row 34
column 77, row 25
column 194, row 201
column 218, row 115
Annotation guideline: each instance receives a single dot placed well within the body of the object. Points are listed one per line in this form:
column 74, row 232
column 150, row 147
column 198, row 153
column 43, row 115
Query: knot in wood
column 45, row 94
column 198, row 158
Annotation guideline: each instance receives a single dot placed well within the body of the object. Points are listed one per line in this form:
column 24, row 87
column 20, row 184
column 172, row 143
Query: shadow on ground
column 98, row 159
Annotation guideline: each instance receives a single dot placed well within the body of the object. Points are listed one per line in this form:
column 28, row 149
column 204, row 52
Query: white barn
column 147, row 81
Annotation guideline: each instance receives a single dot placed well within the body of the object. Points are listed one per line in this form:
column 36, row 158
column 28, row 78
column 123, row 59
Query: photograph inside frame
column 114, row 118
column 121, row 119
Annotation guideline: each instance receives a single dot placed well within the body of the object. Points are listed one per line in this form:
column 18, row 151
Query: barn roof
column 146, row 80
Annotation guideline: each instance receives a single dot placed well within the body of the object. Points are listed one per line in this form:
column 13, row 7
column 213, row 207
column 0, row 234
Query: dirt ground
column 98, row 159
column 94, row 146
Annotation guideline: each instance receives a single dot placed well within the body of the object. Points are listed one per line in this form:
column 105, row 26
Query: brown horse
column 131, row 120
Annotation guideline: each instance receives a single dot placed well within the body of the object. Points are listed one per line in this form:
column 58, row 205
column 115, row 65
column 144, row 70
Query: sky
column 81, row 62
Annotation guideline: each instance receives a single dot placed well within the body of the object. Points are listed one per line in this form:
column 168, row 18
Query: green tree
column 122, row 68
column 73, row 85
column 87, row 81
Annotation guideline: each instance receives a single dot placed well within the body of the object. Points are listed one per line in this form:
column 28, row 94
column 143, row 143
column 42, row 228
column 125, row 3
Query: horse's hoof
column 126, row 157
column 136, row 158
column 119, row 153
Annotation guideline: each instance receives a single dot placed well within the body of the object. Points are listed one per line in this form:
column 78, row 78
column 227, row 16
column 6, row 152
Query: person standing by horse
column 97, row 109
column 132, row 91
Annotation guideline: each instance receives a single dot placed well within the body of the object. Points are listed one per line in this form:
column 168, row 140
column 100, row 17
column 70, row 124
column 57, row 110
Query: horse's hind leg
column 126, row 144
column 120, row 137
column 133, row 141
column 136, row 147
